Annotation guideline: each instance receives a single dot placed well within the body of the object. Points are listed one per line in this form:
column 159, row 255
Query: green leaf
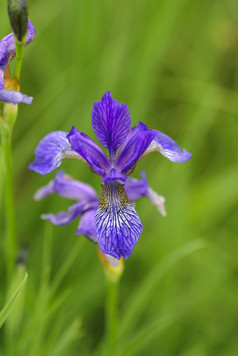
column 10, row 304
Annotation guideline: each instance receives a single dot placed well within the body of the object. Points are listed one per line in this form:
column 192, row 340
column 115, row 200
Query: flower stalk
column 111, row 317
column 10, row 239
column 19, row 56
column 113, row 271
column 11, row 45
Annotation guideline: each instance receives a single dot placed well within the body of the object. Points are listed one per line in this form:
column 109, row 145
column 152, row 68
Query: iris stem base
column 111, row 315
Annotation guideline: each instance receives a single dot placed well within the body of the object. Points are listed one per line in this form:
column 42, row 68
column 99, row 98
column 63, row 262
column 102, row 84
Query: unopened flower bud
column 18, row 17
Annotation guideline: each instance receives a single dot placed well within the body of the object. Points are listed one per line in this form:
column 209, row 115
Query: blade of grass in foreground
column 139, row 299
column 10, row 304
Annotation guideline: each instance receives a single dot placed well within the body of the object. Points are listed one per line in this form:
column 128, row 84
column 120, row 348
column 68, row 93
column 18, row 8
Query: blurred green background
column 174, row 63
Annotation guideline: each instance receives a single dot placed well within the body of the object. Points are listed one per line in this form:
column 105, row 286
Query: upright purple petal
column 65, row 217
column 50, row 152
column 67, row 187
column 136, row 143
column 87, row 225
column 168, row 148
column 14, row 97
column 111, row 122
column 117, row 224
column 89, row 150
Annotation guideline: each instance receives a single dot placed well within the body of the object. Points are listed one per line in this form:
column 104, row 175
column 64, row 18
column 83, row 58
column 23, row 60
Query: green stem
column 10, row 241
column 111, row 315
column 19, row 56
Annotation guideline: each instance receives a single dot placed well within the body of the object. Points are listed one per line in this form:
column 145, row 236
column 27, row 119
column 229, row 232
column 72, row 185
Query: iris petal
column 65, row 217
column 14, row 97
column 67, row 187
column 117, row 224
column 89, row 150
column 87, row 226
column 50, row 152
column 157, row 200
column 136, row 143
column 168, row 148
column 111, row 122
column 141, row 141
column 135, row 188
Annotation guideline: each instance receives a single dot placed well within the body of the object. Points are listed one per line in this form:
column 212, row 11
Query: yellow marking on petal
column 117, row 191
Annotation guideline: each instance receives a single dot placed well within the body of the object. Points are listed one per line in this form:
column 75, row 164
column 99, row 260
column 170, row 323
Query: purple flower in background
column 7, row 53
column 87, row 202
column 117, row 225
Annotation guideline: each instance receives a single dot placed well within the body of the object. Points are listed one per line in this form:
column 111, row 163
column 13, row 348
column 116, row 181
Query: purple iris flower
column 117, row 225
column 7, row 53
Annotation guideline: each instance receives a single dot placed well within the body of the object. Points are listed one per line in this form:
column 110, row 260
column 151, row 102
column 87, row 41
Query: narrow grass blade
column 10, row 304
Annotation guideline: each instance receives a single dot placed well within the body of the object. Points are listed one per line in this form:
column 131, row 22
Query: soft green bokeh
column 174, row 63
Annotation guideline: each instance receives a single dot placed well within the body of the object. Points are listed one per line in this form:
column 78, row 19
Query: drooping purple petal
column 117, row 224
column 45, row 191
column 168, row 148
column 111, row 122
column 65, row 217
column 157, row 200
column 89, row 150
column 50, row 152
column 14, row 97
column 135, row 144
column 67, row 187
column 87, row 225
column 135, row 188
